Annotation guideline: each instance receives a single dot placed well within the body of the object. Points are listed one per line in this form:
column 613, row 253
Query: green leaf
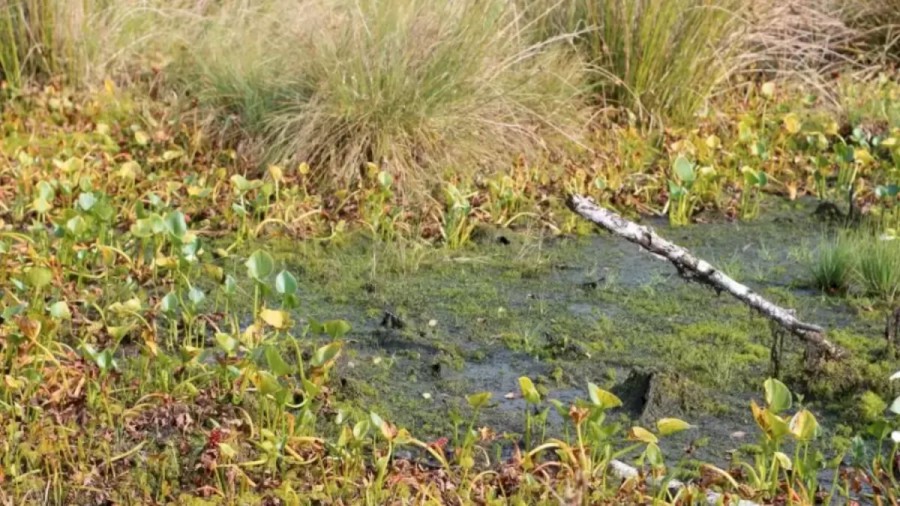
column 784, row 461
column 227, row 342
column 196, row 296
column 76, row 226
column 311, row 389
column 530, row 393
column 895, row 406
column 39, row 277
column 778, row 397
column 385, row 179
column 276, row 364
column 230, row 285
column 479, row 400
column 887, row 191
column 141, row 138
column 285, row 283
column 676, row 191
column 326, row 354
column 45, row 191
column 804, row 425
column 169, row 304
column 267, row 383
column 41, row 205
column 86, row 201
column 380, row 424
column 667, row 426
column 260, row 266
column 654, row 455
column 601, row 398
column 60, row 310
column 684, row 169
column 336, row 329
column 104, row 360
column 641, row 434
column 176, row 224
column 361, row 429
column 778, row 427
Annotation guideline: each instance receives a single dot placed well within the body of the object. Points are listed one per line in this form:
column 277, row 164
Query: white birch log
column 695, row 269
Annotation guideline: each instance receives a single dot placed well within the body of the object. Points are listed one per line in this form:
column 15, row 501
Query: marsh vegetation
column 317, row 251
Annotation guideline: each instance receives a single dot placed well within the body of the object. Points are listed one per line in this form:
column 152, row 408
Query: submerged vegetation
column 204, row 206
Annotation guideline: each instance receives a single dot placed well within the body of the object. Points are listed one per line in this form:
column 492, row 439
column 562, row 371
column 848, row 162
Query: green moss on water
column 568, row 311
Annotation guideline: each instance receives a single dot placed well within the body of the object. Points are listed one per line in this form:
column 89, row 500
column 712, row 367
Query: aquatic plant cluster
column 154, row 350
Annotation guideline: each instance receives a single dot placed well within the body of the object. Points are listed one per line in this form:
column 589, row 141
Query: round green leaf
column 285, row 283
column 260, row 266
column 778, row 397
column 176, row 224
column 39, row 277
column 86, row 201
column 60, row 310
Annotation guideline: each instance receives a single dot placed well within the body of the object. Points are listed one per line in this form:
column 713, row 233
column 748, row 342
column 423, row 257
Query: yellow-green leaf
column 275, row 318
column 602, row 398
column 141, row 138
column 641, row 434
column 529, row 392
column 778, row 396
column 479, row 400
column 784, row 461
column 804, row 425
column 227, row 451
column 326, row 354
column 667, row 426
column 792, row 123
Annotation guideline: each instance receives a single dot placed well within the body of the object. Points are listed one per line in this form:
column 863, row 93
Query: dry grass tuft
column 414, row 85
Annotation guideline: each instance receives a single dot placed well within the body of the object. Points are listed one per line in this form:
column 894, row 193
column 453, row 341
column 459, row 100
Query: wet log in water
column 695, row 269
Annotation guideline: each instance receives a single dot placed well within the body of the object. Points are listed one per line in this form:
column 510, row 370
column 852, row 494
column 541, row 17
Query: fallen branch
column 695, row 269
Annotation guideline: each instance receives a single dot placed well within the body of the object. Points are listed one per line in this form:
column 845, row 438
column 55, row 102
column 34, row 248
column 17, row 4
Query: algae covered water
column 433, row 326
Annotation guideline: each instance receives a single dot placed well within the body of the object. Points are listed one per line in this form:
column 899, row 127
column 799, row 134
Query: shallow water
column 565, row 311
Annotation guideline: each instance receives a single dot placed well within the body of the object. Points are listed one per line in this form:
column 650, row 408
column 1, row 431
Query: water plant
column 879, row 268
column 834, row 265
column 681, row 203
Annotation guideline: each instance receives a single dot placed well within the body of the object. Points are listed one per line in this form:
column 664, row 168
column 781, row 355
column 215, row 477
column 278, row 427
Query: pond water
column 432, row 326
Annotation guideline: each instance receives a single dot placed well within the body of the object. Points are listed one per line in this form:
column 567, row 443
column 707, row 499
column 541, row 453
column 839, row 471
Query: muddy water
column 432, row 326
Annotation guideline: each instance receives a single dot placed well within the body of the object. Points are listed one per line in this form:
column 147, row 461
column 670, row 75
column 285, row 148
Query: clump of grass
column 877, row 23
column 412, row 85
column 660, row 58
column 37, row 38
column 879, row 268
column 833, row 267
column 799, row 39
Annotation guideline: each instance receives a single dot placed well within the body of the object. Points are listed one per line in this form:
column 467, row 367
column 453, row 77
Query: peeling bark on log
column 694, row 269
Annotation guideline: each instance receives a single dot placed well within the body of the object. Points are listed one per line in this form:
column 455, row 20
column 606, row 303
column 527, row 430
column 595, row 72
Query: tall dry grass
column 415, row 85
column 877, row 23
column 428, row 86
column 659, row 58
column 38, row 38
